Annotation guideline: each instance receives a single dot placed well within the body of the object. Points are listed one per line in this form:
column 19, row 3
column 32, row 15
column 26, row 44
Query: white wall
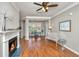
column 11, row 13
column 73, row 36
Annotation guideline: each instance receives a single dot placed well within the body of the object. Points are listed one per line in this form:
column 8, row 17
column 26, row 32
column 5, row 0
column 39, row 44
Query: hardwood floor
column 43, row 48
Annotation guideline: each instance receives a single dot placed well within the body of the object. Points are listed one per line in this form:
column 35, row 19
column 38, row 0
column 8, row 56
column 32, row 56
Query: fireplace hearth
column 12, row 46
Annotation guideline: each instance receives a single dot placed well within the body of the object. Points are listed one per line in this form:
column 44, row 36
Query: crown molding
column 65, row 9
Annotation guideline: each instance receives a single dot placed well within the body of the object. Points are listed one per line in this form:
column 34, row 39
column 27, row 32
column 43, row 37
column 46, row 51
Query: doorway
column 37, row 28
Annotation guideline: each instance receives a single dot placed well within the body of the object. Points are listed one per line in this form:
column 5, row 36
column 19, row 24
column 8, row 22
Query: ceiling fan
column 44, row 6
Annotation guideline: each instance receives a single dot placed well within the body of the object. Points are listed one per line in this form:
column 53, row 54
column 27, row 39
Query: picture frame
column 65, row 26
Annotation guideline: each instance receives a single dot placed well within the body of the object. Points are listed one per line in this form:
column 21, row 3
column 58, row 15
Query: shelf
column 8, row 31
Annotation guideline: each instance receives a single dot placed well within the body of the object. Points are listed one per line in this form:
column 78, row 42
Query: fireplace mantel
column 8, row 31
column 8, row 34
column 5, row 36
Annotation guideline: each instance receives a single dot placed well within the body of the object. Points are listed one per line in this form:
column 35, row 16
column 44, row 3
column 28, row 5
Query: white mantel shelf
column 8, row 31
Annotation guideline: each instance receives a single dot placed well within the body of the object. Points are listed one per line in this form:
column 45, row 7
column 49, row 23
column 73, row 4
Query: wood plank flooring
column 43, row 48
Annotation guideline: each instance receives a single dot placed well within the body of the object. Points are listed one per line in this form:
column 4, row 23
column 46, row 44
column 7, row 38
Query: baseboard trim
column 67, row 48
column 71, row 50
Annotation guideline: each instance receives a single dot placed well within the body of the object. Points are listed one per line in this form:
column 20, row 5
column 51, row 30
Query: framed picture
column 65, row 25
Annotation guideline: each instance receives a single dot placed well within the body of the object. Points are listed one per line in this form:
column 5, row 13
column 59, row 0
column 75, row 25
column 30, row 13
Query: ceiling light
column 43, row 9
column 47, row 8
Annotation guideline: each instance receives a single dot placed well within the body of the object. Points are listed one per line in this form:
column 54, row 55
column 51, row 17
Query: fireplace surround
column 12, row 46
column 9, row 42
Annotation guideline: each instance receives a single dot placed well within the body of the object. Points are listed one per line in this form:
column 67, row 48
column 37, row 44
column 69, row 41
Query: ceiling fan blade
column 54, row 5
column 38, row 9
column 37, row 4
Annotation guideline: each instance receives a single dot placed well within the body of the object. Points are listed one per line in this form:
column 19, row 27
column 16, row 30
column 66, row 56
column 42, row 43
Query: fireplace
column 12, row 46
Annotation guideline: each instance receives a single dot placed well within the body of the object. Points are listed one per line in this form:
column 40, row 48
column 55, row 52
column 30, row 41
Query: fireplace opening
column 12, row 46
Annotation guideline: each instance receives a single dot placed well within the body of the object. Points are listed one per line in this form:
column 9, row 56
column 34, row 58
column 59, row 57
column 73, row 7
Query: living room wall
column 73, row 36
column 12, row 14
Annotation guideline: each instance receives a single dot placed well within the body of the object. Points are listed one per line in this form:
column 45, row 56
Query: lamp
column 50, row 27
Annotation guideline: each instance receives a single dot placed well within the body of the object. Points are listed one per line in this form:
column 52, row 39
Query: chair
column 62, row 40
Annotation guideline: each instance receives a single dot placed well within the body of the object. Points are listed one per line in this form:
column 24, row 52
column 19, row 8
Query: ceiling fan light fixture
column 43, row 9
column 47, row 8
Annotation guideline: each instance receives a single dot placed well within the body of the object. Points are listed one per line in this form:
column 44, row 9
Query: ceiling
column 29, row 9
